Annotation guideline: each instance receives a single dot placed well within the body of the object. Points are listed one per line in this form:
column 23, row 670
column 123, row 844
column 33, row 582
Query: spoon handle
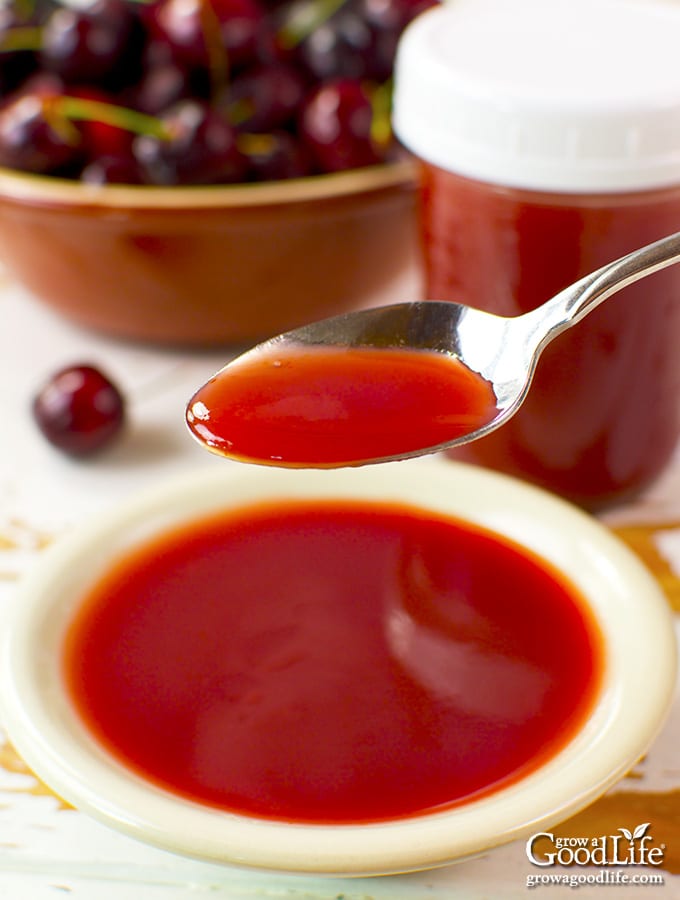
column 572, row 304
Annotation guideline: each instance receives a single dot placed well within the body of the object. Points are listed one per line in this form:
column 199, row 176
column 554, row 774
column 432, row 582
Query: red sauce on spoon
column 330, row 661
column 326, row 406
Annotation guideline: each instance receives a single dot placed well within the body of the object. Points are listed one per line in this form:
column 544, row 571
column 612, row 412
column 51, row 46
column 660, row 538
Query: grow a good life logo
column 629, row 848
column 636, row 848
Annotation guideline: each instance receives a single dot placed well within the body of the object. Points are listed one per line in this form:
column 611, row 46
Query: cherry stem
column 252, row 143
column 218, row 62
column 304, row 18
column 23, row 37
column 381, row 105
column 240, row 110
column 81, row 109
column 25, row 8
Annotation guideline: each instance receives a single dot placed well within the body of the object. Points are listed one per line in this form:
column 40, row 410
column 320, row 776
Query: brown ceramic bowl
column 209, row 265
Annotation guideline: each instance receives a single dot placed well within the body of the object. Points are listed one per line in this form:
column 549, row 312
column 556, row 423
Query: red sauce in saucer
column 325, row 406
column 334, row 662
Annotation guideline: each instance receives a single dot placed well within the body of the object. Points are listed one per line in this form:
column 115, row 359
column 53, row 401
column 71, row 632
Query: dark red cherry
column 387, row 19
column 340, row 47
column 97, row 43
column 265, row 98
column 35, row 137
column 161, row 85
column 209, row 33
column 79, row 410
column 337, row 125
column 200, row 147
column 186, row 28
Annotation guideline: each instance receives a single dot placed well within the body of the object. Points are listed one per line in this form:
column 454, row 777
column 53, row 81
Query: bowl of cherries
column 201, row 172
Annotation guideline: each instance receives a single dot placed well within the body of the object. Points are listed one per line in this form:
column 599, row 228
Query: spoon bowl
column 501, row 351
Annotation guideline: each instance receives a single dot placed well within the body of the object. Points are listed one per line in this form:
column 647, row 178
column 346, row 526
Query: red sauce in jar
column 325, row 406
column 602, row 417
column 332, row 661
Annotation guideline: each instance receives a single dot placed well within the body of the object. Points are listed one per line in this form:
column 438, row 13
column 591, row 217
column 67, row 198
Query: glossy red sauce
column 602, row 417
column 318, row 406
column 332, row 661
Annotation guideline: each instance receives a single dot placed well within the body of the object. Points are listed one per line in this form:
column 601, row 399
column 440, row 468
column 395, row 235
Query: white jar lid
column 566, row 95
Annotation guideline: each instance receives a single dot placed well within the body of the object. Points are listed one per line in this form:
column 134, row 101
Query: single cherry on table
column 79, row 410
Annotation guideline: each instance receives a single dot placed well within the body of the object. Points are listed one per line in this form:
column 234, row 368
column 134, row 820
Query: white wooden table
column 48, row 851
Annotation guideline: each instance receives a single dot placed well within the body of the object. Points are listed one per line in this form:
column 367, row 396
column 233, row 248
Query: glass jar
column 549, row 140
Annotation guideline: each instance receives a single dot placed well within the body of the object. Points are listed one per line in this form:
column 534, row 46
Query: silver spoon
column 503, row 350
